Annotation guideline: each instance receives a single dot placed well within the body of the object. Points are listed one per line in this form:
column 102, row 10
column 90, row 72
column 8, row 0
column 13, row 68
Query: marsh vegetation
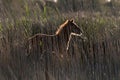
column 97, row 58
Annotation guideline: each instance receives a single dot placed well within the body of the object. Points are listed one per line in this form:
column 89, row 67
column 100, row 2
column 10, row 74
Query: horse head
column 76, row 30
column 73, row 27
column 68, row 27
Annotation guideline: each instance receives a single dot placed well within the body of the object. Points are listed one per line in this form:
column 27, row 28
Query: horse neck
column 63, row 37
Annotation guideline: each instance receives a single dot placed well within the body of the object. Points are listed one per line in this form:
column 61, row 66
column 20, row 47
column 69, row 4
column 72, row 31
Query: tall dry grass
column 95, row 59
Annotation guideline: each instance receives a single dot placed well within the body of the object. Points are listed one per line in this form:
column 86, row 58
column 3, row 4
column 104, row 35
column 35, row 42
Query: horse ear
column 72, row 20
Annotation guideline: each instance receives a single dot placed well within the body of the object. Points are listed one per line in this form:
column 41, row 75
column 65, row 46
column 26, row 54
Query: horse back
column 42, row 42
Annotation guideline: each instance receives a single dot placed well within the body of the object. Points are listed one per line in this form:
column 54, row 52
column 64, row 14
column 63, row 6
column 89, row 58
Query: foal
column 57, row 43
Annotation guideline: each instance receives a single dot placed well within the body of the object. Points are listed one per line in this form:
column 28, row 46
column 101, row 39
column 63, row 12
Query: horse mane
column 57, row 32
column 61, row 27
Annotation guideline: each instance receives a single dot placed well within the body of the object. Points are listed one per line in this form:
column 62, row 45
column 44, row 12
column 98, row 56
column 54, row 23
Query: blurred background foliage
column 13, row 8
column 51, row 13
column 99, row 19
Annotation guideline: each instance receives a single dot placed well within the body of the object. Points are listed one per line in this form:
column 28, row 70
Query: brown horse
column 57, row 43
